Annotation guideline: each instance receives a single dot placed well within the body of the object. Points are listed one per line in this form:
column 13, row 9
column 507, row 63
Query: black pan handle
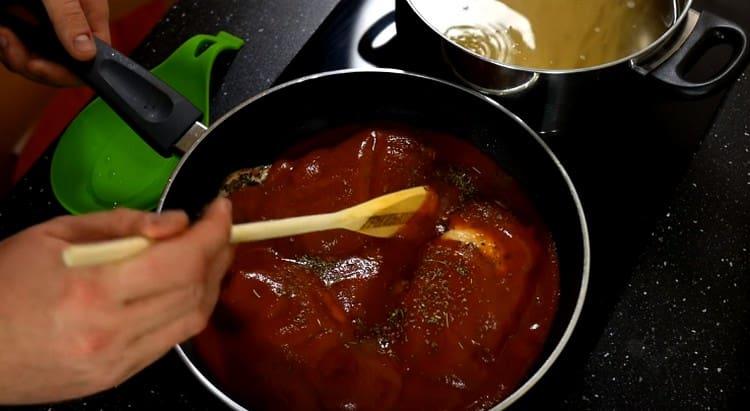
column 709, row 31
column 155, row 111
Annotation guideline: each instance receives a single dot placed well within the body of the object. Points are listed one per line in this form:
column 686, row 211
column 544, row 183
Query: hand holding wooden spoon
column 380, row 217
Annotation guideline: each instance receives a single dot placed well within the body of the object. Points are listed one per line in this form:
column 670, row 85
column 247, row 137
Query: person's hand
column 69, row 332
column 76, row 22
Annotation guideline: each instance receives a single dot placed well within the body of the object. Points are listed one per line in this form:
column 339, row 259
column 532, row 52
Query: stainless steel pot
column 667, row 60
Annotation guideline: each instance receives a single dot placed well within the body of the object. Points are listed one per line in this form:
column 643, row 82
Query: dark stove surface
column 627, row 155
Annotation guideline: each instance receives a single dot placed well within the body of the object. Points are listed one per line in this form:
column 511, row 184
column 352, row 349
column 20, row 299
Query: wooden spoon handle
column 359, row 218
column 266, row 230
column 81, row 255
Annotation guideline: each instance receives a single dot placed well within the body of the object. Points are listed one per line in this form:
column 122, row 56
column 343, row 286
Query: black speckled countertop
column 678, row 337
column 667, row 320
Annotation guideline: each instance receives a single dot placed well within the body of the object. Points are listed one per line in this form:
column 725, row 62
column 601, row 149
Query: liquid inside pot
column 550, row 34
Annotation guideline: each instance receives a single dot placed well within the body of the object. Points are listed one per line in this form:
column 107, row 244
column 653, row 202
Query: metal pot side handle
column 381, row 54
column 710, row 30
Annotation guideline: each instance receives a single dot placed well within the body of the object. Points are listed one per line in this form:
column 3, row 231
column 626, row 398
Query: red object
column 423, row 320
column 127, row 33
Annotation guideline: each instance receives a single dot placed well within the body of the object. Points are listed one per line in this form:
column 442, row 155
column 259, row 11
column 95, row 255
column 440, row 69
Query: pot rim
column 644, row 51
column 542, row 369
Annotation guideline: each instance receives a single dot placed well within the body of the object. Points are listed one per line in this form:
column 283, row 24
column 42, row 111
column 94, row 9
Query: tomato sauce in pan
column 450, row 314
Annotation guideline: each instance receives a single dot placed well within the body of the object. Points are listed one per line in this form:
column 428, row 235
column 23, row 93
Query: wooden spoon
column 380, row 217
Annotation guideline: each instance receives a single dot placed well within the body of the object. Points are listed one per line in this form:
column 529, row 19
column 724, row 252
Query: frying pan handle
column 710, row 30
column 155, row 111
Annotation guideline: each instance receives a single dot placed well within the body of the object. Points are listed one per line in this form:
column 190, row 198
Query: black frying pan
column 258, row 130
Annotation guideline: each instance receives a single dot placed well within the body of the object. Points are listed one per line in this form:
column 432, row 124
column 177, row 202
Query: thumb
column 72, row 28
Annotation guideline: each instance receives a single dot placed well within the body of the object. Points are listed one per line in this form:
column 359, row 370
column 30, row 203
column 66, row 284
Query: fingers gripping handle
column 159, row 114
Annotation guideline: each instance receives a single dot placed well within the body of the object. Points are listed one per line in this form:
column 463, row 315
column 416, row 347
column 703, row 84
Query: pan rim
column 561, row 344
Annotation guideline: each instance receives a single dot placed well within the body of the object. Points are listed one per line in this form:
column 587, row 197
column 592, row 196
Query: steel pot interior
column 680, row 12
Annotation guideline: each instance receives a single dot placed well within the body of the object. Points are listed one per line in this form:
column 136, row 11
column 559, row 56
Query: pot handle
column 383, row 53
column 710, row 30
column 155, row 111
